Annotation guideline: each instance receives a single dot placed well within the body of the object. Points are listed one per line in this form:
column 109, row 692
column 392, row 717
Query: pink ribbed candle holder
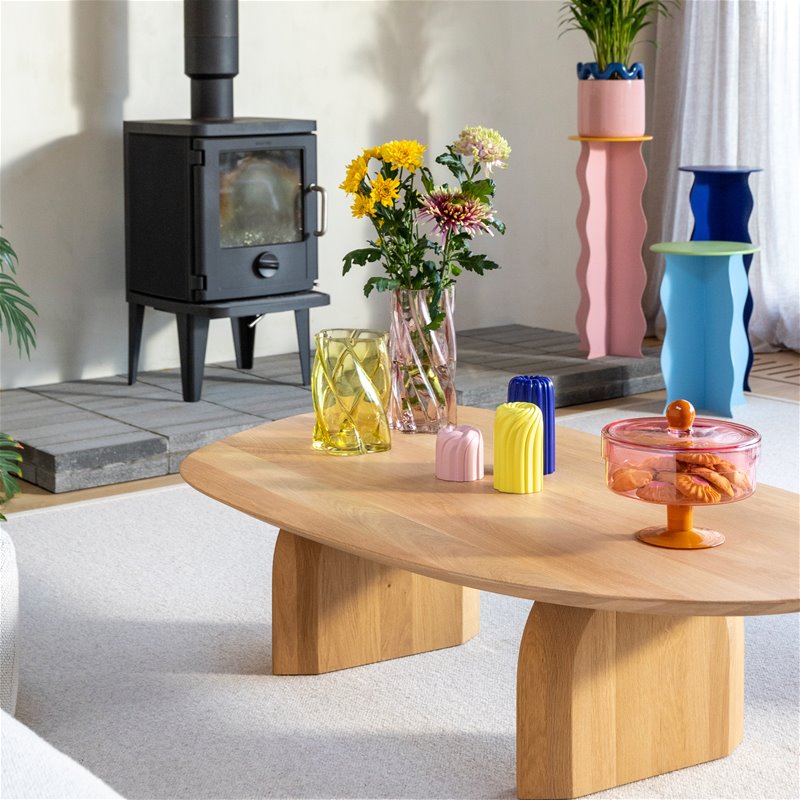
column 459, row 453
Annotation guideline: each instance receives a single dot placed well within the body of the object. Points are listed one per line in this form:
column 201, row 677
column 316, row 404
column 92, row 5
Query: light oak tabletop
column 572, row 544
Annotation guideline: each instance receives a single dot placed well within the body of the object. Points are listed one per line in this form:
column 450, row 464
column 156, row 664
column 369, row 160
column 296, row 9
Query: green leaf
column 611, row 26
column 437, row 318
column 8, row 258
column 381, row 284
column 360, row 257
column 454, row 163
column 435, row 245
column 459, row 240
column 10, row 469
column 14, row 316
column 427, row 179
column 499, row 226
column 482, row 190
column 475, row 262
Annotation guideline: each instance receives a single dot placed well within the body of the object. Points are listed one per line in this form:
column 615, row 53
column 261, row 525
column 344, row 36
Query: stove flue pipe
column 211, row 55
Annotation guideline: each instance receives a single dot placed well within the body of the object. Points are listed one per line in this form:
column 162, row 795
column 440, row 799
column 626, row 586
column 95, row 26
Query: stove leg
column 301, row 323
column 135, row 321
column 244, row 339
column 192, row 338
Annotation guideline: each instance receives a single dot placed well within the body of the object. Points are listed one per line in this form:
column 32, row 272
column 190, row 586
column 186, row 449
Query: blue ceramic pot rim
column 614, row 70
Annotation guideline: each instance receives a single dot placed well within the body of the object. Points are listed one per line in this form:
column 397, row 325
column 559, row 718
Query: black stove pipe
column 211, row 55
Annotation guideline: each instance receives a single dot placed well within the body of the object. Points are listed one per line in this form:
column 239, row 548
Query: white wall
column 72, row 70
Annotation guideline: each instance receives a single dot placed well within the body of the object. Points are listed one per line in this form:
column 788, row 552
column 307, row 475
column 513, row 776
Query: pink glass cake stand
column 681, row 462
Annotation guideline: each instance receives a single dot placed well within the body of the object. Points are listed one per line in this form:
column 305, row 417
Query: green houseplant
column 611, row 90
column 15, row 320
column 612, row 26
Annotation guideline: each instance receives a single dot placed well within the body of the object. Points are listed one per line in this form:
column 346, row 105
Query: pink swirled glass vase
column 423, row 363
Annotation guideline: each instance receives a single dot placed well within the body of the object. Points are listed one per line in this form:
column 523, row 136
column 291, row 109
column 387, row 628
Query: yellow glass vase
column 351, row 384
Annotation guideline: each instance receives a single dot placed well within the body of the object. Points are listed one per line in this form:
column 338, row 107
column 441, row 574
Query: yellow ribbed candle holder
column 518, row 448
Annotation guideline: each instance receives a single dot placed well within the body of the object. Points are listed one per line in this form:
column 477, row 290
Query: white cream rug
column 145, row 655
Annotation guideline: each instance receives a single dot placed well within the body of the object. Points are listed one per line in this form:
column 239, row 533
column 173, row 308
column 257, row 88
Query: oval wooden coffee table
column 631, row 663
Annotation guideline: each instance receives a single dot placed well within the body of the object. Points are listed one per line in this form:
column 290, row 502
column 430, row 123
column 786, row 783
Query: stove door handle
column 323, row 209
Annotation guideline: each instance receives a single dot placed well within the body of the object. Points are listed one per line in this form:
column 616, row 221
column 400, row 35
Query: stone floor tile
column 86, row 433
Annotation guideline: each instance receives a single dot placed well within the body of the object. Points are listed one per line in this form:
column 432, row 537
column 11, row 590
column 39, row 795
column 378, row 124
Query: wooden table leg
column 605, row 698
column 332, row 610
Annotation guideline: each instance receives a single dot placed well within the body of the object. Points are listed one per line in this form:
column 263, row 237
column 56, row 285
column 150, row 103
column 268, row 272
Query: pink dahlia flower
column 453, row 212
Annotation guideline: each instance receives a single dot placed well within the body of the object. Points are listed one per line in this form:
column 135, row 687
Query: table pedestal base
column 606, row 698
column 332, row 610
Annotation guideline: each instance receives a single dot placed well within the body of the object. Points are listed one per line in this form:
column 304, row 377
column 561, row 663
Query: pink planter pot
column 611, row 108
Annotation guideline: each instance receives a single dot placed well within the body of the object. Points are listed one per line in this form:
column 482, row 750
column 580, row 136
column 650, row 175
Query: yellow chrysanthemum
column 372, row 152
column 356, row 172
column 404, row 154
column 384, row 190
column 363, row 206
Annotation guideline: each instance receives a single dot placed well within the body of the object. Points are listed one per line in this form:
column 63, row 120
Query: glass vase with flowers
column 423, row 237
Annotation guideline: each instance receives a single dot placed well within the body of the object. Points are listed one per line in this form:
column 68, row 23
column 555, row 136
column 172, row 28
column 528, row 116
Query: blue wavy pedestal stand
column 721, row 203
column 705, row 350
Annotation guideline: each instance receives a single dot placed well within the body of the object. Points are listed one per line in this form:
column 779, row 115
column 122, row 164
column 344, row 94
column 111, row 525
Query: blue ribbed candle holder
column 539, row 390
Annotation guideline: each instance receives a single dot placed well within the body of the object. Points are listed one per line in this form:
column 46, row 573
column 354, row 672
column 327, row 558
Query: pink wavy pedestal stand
column 459, row 453
column 612, row 226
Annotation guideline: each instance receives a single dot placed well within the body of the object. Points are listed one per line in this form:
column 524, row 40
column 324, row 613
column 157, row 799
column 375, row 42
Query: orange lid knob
column 680, row 415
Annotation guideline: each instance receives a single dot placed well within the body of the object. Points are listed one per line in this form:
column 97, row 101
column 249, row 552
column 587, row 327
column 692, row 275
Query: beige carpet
column 145, row 655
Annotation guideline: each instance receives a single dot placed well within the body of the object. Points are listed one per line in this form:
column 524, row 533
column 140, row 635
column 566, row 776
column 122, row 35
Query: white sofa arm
column 35, row 770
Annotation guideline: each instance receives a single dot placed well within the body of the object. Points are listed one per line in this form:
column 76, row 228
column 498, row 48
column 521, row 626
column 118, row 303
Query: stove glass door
column 260, row 197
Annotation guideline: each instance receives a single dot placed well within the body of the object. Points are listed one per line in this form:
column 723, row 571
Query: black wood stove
column 222, row 214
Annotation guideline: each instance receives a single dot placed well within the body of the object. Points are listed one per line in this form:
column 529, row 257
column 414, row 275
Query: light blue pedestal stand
column 705, row 351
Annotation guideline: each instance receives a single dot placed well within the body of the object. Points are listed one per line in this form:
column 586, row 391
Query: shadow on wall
column 398, row 60
column 67, row 209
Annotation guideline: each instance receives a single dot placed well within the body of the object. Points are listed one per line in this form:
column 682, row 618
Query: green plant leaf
column 8, row 258
column 476, row 262
column 437, row 318
column 427, row 179
column 612, row 26
column 14, row 314
column 482, row 190
column 360, row 257
column 498, row 225
column 10, row 467
column 381, row 284
column 454, row 163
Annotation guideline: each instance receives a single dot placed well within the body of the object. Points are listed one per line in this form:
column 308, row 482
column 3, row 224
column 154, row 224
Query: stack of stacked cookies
column 692, row 478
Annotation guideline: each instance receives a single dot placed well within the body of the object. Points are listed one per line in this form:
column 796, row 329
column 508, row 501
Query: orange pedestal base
column 679, row 533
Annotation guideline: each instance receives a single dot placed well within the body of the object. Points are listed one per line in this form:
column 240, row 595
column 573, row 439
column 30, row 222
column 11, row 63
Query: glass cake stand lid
column 680, row 430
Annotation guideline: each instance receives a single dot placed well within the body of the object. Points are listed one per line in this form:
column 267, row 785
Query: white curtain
column 726, row 90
